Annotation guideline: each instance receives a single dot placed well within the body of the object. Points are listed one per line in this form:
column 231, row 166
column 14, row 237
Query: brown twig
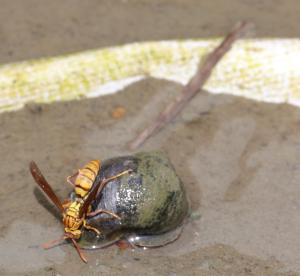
column 194, row 85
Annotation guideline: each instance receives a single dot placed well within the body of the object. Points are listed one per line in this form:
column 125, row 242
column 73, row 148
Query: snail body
column 150, row 201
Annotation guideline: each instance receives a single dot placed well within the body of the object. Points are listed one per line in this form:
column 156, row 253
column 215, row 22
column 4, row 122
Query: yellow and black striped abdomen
column 86, row 177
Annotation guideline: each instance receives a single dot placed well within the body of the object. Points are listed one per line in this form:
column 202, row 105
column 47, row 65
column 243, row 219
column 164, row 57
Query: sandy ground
column 238, row 158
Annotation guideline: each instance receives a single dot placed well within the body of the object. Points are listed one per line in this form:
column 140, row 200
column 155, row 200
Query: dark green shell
column 150, row 200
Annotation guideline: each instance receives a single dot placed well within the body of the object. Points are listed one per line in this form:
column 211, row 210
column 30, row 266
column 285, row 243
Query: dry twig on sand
column 194, row 85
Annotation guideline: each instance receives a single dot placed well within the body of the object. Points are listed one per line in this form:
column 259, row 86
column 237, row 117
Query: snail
column 150, row 201
column 138, row 198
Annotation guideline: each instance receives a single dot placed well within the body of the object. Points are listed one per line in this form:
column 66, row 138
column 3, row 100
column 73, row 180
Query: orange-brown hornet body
column 82, row 181
column 75, row 212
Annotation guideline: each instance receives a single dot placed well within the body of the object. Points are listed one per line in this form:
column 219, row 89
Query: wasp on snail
column 145, row 202
column 75, row 212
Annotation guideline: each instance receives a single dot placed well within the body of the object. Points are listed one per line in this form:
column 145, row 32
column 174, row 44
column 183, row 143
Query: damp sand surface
column 238, row 159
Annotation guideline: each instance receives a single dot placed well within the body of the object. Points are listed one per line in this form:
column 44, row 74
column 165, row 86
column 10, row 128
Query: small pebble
column 119, row 112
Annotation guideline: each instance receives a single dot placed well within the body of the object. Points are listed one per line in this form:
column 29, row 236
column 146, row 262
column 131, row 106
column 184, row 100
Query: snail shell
column 151, row 202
